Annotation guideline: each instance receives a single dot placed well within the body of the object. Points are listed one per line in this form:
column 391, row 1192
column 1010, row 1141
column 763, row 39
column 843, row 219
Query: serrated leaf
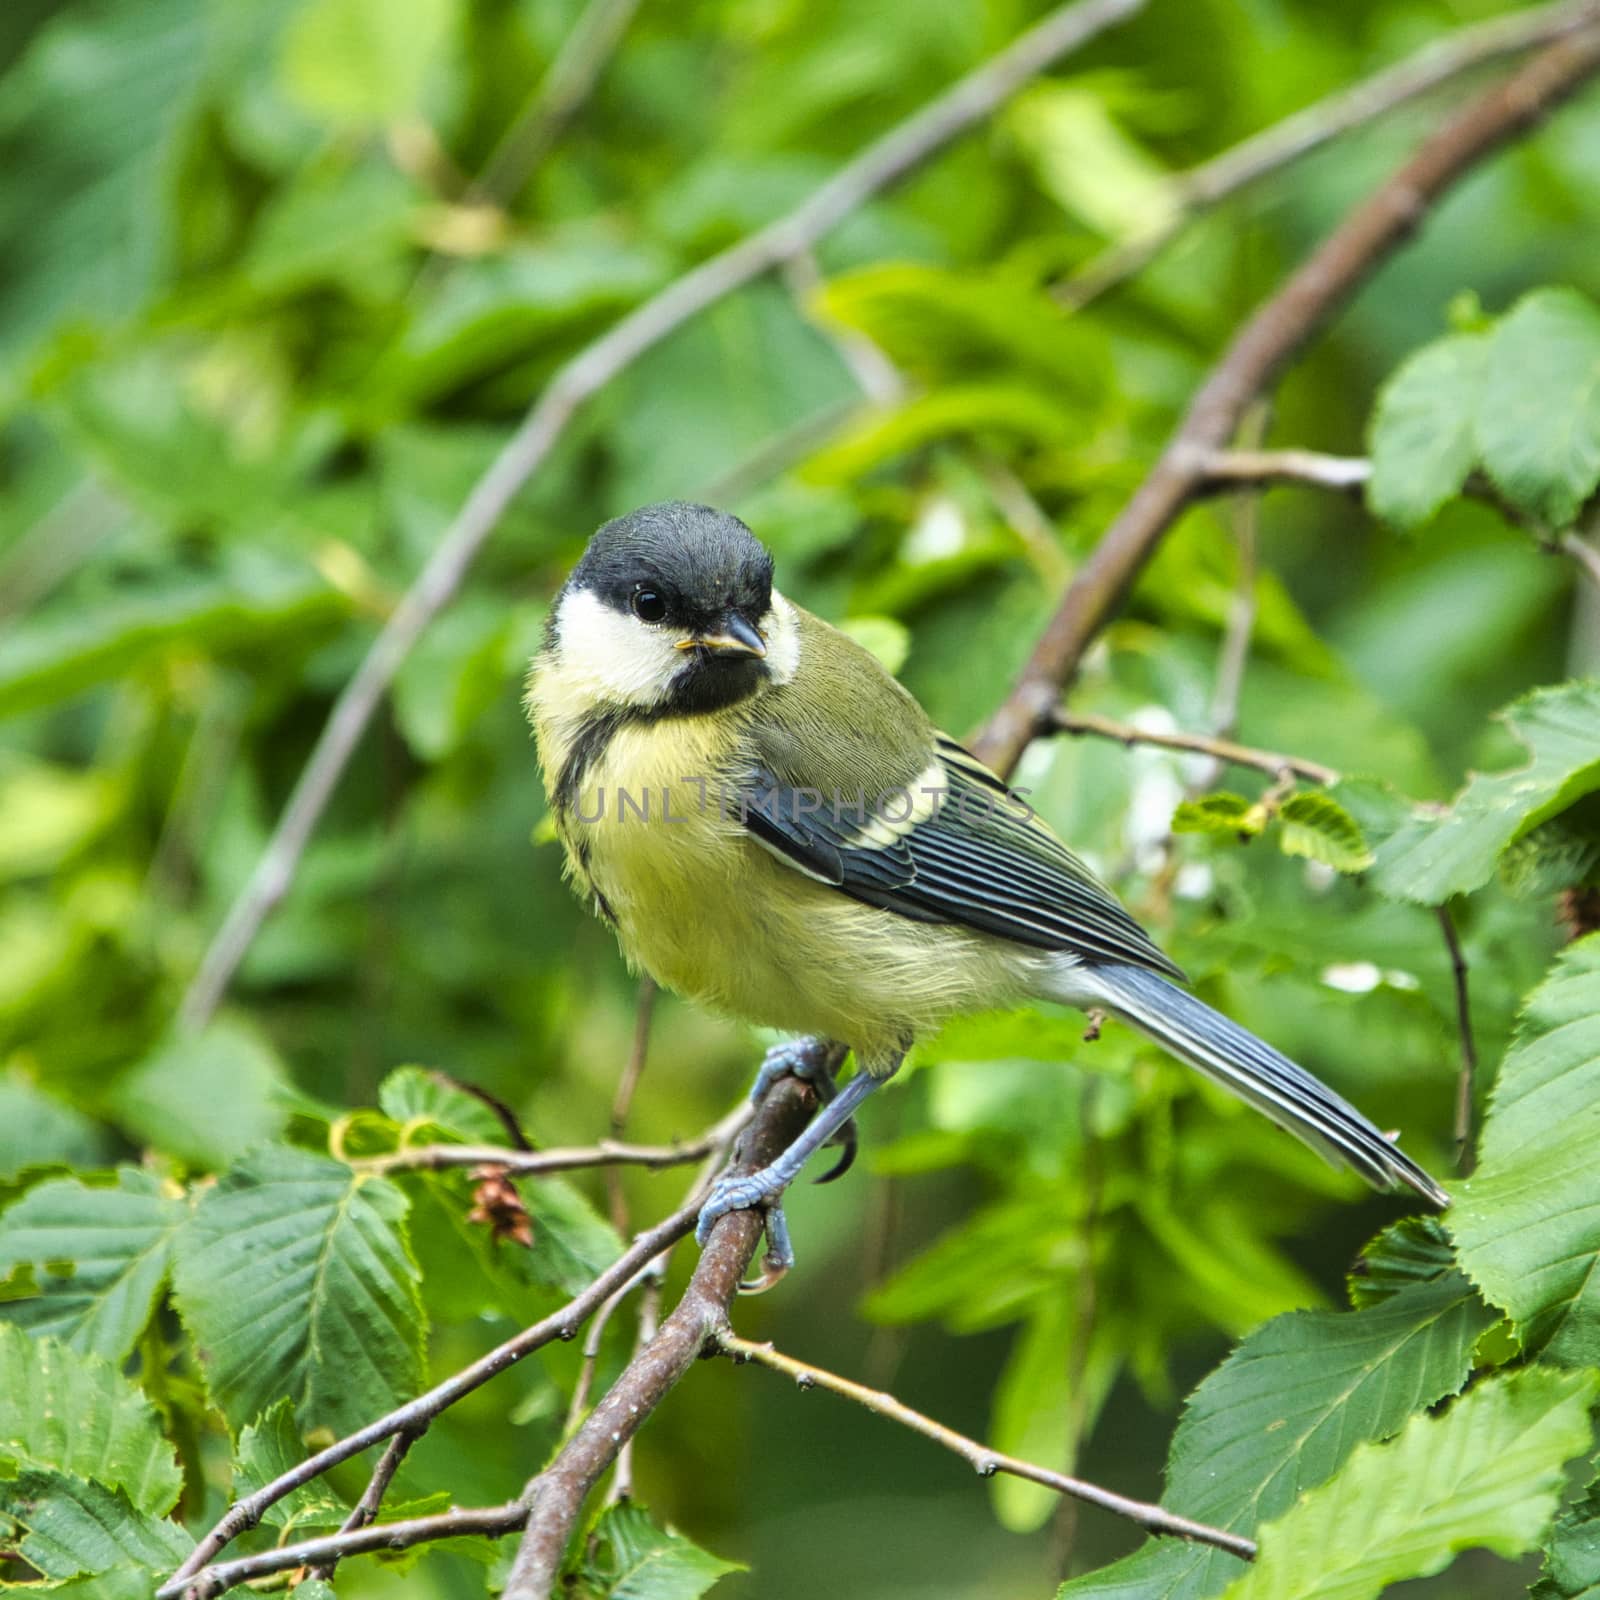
column 62, row 1410
column 73, row 1526
column 416, row 1096
column 99, row 1255
column 1487, row 1474
column 1429, row 860
column 1414, row 1250
column 1572, row 1553
column 1283, row 1413
column 1539, row 420
column 636, row 1560
column 1527, row 1223
column 268, row 1448
column 1219, row 813
column 294, row 1277
column 1421, row 436
column 1320, row 829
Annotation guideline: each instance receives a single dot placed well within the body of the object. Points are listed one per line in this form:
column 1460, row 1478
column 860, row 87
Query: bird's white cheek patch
column 612, row 657
column 783, row 640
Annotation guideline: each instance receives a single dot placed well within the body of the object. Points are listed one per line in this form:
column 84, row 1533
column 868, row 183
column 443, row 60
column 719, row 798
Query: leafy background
column 259, row 334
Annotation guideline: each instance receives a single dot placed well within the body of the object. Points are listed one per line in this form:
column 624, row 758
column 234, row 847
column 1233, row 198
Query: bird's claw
column 808, row 1059
column 754, row 1191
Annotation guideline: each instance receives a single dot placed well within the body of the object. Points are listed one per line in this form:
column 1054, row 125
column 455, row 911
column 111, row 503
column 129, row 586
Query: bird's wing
column 974, row 855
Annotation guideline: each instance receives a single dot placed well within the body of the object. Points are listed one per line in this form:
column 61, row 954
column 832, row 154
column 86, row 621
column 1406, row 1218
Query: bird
column 774, row 828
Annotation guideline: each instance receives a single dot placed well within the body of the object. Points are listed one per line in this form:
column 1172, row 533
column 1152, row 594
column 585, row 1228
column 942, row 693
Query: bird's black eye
column 648, row 606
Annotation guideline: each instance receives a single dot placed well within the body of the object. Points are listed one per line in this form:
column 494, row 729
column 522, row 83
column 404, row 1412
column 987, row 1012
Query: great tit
column 774, row 828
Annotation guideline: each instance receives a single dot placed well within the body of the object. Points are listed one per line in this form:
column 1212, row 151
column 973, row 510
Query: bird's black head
column 672, row 608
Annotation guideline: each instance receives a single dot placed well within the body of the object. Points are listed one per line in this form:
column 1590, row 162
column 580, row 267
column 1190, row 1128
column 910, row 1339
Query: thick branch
column 891, row 158
column 987, row 1462
column 1368, row 237
column 1207, row 185
column 679, row 1342
column 1223, row 750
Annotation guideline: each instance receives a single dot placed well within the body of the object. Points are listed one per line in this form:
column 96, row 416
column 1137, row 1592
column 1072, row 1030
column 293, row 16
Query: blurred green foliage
column 263, row 326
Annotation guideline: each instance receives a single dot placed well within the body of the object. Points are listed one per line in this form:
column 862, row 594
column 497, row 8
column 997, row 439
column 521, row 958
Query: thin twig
column 881, row 164
column 1201, row 188
column 1467, row 1078
column 527, row 1163
column 656, row 1369
column 569, row 82
column 1200, row 744
column 1367, row 237
column 987, row 1462
column 367, row 1507
column 1261, row 469
column 649, row 1325
column 1582, row 552
column 492, row 1522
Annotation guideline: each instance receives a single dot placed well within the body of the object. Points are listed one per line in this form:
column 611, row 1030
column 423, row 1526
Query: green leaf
column 459, row 670
column 294, row 1277
column 47, row 813
column 77, row 1414
column 1421, row 437
column 1572, row 1554
column 1219, row 813
column 365, row 61
column 1320, row 829
column 205, row 1098
column 64, row 653
column 268, row 1448
column 1283, row 1413
column 1539, row 419
column 1414, row 1250
column 636, row 1560
column 73, row 1526
column 99, row 1256
column 37, row 1130
column 416, row 1096
column 1429, row 860
column 571, row 1241
column 1487, row 1474
column 1527, row 1223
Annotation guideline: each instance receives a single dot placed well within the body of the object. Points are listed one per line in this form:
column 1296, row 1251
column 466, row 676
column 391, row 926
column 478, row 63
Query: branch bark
column 987, row 1462
column 1226, row 751
column 1203, row 187
column 891, row 158
column 682, row 1338
column 1368, row 236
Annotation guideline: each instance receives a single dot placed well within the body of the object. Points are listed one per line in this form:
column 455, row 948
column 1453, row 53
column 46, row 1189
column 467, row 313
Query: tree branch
column 656, row 1368
column 1366, row 238
column 1200, row 744
column 330, row 1548
column 881, row 164
column 987, row 1462
column 416, row 1414
column 1203, row 187
column 367, row 1507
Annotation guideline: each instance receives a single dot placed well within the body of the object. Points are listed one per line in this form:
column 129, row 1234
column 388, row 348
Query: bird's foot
column 812, row 1061
column 761, row 1190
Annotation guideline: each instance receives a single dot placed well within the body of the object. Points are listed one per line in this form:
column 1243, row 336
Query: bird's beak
column 736, row 638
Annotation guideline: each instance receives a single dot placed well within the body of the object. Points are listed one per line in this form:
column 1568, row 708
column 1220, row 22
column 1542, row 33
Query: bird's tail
column 1247, row 1066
